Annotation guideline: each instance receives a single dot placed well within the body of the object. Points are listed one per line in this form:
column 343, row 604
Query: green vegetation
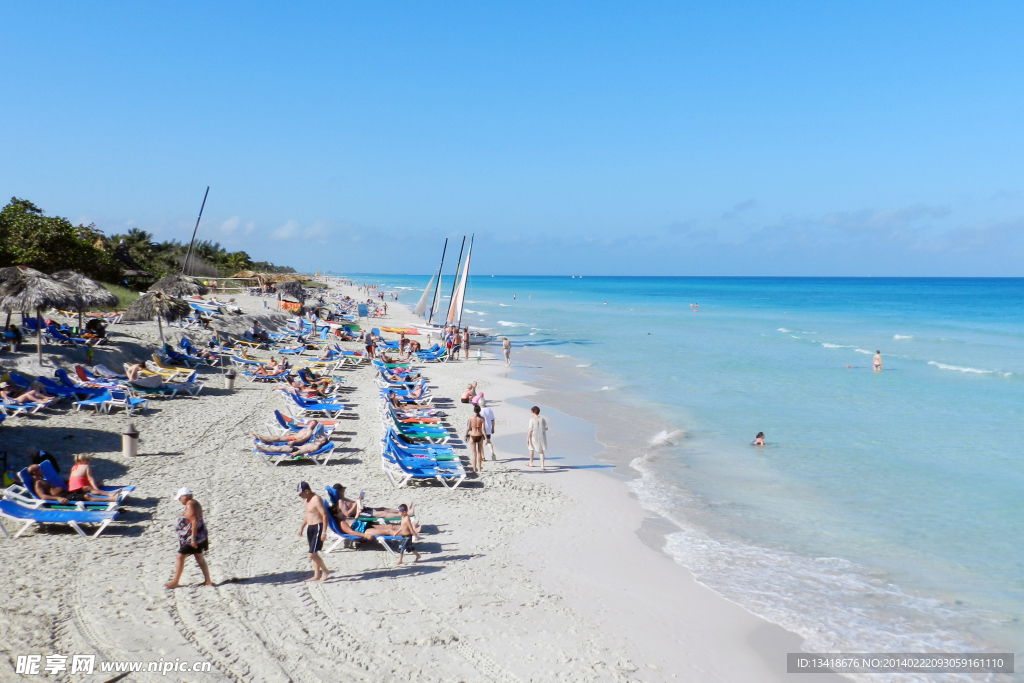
column 50, row 243
column 125, row 295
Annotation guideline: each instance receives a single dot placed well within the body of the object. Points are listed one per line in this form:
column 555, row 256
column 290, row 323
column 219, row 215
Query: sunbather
column 404, row 403
column 270, row 368
column 134, row 371
column 297, row 439
column 13, row 394
column 47, row 491
column 80, row 479
column 356, row 508
column 314, row 444
column 322, row 384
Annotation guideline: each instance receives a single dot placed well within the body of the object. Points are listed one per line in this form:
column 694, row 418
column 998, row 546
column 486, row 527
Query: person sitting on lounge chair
column 314, row 444
column 415, row 393
column 258, row 333
column 323, row 383
column 13, row 394
column 47, row 491
column 80, row 479
column 297, row 439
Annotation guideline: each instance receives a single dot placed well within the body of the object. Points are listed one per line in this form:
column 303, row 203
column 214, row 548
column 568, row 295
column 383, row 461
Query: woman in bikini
column 475, row 438
column 81, row 482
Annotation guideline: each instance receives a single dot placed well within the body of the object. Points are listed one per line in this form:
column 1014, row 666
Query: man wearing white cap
column 192, row 539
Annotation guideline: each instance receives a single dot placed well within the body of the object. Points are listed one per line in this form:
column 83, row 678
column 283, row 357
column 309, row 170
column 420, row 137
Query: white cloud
column 286, row 231
column 230, row 225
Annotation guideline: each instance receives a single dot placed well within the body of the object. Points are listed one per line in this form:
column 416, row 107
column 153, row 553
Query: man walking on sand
column 314, row 522
column 192, row 540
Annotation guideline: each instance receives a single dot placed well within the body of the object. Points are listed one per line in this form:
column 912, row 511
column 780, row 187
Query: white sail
column 421, row 307
column 455, row 312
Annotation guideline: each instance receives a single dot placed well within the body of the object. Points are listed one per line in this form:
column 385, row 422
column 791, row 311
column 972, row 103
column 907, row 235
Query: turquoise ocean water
column 885, row 511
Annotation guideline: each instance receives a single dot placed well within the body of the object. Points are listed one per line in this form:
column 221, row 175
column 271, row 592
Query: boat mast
column 440, row 271
column 188, row 254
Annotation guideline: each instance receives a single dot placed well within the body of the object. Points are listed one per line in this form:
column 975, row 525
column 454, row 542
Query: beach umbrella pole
column 39, row 337
column 160, row 326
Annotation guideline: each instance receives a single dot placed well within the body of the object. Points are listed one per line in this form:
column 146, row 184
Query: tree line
column 28, row 237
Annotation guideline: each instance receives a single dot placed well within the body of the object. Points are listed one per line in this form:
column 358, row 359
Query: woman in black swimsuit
column 475, row 438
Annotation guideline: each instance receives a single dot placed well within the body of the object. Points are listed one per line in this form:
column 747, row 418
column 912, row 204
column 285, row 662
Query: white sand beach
column 525, row 576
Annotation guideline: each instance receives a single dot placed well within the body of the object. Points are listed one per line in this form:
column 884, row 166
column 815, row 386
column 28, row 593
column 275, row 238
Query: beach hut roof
column 30, row 290
column 178, row 285
column 292, row 287
column 88, row 292
column 153, row 304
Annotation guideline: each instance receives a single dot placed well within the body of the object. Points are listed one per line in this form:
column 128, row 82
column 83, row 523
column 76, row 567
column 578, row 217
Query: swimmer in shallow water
column 758, row 440
column 876, row 362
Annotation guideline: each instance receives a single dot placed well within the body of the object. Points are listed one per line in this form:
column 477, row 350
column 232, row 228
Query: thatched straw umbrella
column 160, row 306
column 292, row 287
column 178, row 285
column 30, row 290
column 88, row 292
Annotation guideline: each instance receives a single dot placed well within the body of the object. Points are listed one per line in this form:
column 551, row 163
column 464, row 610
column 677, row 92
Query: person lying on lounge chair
column 355, row 508
column 315, row 443
column 415, row 393
column 403, row 403
column 299, row 388
column 11, row 393
column 258, row 333
column 270, row 368
column 47, row 491
column 297, row 439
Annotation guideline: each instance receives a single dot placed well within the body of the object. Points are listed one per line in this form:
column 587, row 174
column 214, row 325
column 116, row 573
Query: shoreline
column 600, row 488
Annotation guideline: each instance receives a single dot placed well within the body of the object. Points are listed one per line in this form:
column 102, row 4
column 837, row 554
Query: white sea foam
column 795, row 337
column 507, row 323
column 561, row 355
column 605, row 388
column 665, row 437
column 833, row 604
column 466, row 310
column 783, row 329
column 863, row 351
column 958, row 368
column 583, row 365
column 834, row 346
column 902, row 336
column 505, row 305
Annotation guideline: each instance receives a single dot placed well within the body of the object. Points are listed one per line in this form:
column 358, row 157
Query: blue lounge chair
column 11, row 510
column 313, row 408
column 25, row 495
column 400, row 469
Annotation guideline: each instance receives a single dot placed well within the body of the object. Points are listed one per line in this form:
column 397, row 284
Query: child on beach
column 314, row 523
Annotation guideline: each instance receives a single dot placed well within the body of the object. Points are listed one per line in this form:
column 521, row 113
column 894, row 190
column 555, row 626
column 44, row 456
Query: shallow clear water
column 884, row 513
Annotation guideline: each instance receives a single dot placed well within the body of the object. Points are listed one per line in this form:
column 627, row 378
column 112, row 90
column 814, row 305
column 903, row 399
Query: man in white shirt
column 488, row 415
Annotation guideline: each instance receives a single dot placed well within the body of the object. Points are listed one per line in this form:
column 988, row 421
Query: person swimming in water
column 758, row 440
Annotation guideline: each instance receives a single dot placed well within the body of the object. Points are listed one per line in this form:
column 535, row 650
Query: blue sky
column 813, row 138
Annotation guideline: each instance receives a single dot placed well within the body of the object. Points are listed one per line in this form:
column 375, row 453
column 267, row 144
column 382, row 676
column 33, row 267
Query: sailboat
column 457, row 302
